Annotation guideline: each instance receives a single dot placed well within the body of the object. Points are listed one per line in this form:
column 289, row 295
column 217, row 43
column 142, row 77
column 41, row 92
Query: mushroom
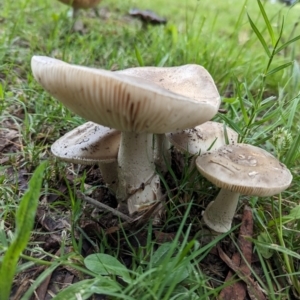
column 135, row 106
column 78, row 4
column 163, row 77
column 208, row 136
column 91, row 143
column 239, row 169
column 147, row 16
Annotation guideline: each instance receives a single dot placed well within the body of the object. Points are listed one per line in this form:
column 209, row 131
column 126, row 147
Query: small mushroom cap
column 244, row 169
column 81, row 3
column 128, row 103
column 88, row 144
column 147, row 16
column 209, row 135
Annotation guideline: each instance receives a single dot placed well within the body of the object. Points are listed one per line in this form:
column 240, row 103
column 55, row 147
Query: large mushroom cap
column 88, row 144
column 126, row 102
column 245, row 169
column 191, row 81
column 207, row 136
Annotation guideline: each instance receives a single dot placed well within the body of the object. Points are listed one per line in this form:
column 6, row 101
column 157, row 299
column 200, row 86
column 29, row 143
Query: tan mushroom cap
column 207, row 136
column 192, row 81
column 128, row 103
column 88, row 144
column 81, row 3
column 245, row 169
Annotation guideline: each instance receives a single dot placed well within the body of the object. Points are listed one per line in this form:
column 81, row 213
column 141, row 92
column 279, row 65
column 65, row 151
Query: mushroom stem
column 109, row 174
column 162, row 156
column 220, row 212
column 75, row 12
column 138, row 185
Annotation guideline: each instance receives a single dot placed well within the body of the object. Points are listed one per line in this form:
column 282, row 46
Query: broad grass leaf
column 24, row 223
column 104, row 264
column 160, row 254
column 82, row 289
column 278, row 248
column 262, row 239
column 86, row 288
column 294, row 215
column 182, row 292
column 178, row 274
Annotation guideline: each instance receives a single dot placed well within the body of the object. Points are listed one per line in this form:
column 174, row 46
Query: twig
column 103, row 206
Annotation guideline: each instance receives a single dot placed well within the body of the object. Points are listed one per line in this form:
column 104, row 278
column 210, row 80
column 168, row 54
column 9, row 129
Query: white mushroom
column 91, row 143
column 208, row 136
column 79, row 4
column 239, row 169
column 135, row 106
column 187, row 81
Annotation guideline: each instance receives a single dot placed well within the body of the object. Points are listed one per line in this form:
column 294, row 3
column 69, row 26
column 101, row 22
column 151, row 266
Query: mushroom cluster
column 133, row 117
column 138, row 102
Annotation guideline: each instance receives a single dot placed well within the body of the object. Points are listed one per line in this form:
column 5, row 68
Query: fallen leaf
column 238, row 290
column 254, row 290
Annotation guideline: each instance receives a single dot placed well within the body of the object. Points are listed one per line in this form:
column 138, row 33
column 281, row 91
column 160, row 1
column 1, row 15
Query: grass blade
column 24, row 223
column 278, row 248
column 267, row 21
column 292, row 112
column 38, row 281
column 275, row 70
column 293, row 153
column 259, row 36
column 139, row 56
column 241, row 100
column 296, row 38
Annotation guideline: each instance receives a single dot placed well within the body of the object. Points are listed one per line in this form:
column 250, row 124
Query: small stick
column 105, row 207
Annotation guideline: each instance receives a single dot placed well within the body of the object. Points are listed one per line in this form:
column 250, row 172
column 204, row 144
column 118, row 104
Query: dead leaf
column 253, row 288
column 7, row 136
column 162, row 237
column 238, row 290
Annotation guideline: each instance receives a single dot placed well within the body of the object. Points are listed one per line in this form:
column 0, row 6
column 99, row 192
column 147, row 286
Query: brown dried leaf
column 237, row 291
column 7, row 136
column 252, row 286
column 162, row 237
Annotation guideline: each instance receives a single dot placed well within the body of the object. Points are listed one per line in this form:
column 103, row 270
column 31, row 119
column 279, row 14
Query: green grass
column 259, row 83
